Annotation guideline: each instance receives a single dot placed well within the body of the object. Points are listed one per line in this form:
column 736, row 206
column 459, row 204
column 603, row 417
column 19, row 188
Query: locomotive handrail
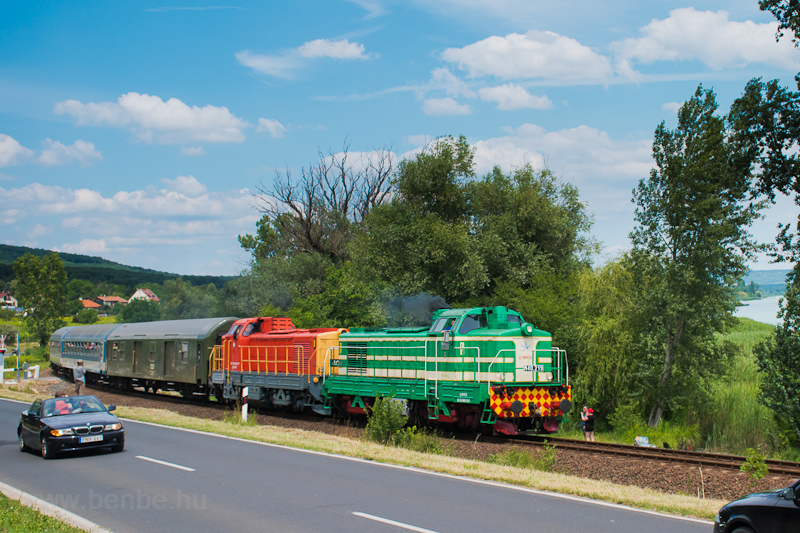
column 293, row 354
column 489, row 370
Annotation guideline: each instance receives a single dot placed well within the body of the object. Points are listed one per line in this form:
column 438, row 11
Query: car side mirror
column 112, row 407
column 789, row 494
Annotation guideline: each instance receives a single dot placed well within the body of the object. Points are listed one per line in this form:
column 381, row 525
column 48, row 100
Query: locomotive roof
column 199, row 328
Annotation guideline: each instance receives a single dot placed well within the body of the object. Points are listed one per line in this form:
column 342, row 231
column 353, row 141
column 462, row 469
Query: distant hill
column 770, row 282
column 98, row 270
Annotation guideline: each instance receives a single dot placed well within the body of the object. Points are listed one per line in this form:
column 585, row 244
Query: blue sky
column 139, row 131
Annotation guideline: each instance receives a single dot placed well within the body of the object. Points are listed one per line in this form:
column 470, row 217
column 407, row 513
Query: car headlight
column 61, row 432
column 112, row 427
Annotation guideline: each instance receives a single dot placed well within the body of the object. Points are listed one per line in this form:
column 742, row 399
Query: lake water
column 764, row 310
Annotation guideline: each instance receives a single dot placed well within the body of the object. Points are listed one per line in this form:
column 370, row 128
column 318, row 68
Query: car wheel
column 22, row 446
column 47, row 450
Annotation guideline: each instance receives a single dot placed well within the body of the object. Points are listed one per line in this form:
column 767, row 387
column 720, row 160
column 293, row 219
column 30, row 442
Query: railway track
column 660, row 454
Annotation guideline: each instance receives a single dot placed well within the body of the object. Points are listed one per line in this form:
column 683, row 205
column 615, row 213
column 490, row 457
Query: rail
column 663, row 454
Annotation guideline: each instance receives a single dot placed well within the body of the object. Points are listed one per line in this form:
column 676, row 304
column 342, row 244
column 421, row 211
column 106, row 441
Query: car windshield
column 70, row 405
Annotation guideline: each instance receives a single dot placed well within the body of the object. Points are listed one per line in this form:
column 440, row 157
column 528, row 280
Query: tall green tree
column 448, row 233
column 41, row 289
column 690, row 246
column 766, row 119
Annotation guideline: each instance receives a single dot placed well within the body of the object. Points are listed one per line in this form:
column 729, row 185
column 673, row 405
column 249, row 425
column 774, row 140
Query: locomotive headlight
column 112, row 427
column 61, row 432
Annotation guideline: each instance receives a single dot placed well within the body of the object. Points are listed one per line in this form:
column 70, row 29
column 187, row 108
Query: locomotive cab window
column 513, row 319
column 442, row 324
column 472, row 322
column 248, row 329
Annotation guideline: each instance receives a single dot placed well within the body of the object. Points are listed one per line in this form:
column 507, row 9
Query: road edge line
column 51, row 510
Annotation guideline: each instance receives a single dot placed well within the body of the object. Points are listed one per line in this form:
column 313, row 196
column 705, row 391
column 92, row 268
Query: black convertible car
column 777, row 511
column 70, row 423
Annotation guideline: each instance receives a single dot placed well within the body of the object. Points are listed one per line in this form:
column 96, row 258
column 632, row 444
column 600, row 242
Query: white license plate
column 93, row 438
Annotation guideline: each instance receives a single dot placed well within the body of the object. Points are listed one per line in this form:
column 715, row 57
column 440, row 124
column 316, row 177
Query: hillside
column 99, row 270
column 770, row 282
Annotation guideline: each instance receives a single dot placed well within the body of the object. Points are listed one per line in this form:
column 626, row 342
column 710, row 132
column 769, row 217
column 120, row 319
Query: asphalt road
column 210, row 483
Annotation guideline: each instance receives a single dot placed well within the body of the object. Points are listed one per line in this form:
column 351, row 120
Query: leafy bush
column 385, row 420
column 422, row 441
column 85, row 316
column 754, row 466
column 514, row 457
column 545, row 460
column 7, row 314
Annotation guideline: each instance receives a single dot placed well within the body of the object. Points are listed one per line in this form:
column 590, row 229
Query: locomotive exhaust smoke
column 414, row 310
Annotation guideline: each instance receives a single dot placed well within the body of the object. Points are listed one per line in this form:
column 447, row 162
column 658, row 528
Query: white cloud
column 343, row 49
column 56, row 153
column 452, row 85
column 38, row 230
column 582, row 153
column 672, row 107
column 164, row 122
column 535, row 55
column 193, row 151
column 707, row 36
column 86, row 246
column 444, row 106
column 285, row 64
column 275, row 128
column 12, row 152
column 511, row 96
column 186, row 185
column 373, row 7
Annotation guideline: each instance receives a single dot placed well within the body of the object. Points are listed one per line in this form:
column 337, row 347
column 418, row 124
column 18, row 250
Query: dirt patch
column 676, row 478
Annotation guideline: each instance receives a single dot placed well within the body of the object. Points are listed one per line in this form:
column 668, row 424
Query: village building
column 144, row 294
column 110, row 301
column 8, row 301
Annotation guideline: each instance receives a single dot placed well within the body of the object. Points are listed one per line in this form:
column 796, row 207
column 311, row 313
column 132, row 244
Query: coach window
column 152, row 352
column 472, row 322
column 184, row 352
column 122, row 351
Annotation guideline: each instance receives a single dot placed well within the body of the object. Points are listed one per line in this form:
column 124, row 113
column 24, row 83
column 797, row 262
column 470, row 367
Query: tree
column 140, row 311
column 39, row 287
column 447, row 233
column 690, row 246
column 788, row 14
column 323, row 210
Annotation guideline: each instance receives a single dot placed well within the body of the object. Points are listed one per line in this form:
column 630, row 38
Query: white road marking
column 173, row 465
column 393, row 523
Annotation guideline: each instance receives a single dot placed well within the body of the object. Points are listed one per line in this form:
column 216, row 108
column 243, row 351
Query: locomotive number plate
column 533, row 368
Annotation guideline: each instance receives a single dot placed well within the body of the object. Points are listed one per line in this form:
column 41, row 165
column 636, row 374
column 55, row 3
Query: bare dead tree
column 323, row 209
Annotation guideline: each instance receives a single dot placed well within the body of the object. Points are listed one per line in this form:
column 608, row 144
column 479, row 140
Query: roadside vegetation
column 17, row 518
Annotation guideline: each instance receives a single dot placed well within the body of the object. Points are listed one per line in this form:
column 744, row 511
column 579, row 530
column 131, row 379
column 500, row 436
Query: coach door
column 170, row 353
column 139, row 357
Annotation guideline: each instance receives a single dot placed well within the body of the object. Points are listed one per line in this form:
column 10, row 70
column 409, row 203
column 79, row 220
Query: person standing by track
column 78, row 375
column 587, row 417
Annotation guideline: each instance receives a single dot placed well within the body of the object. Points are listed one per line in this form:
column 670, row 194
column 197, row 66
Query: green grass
column 16, row 518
